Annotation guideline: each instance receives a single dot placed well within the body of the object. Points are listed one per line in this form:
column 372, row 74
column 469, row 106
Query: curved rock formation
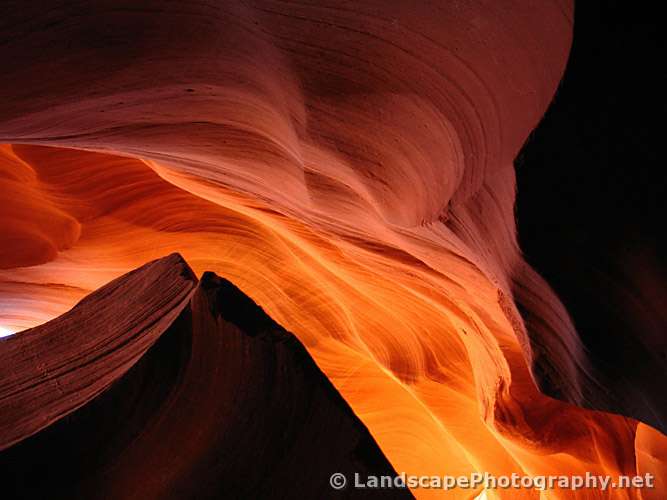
column 350, row 167
column 50, row 371
column 223, row 404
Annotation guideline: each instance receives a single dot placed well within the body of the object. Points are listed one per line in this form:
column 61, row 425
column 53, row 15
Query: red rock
column 225, row 404
column 51, row 370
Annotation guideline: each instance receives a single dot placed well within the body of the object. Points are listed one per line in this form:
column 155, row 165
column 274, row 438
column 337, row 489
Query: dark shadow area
column 591, row 190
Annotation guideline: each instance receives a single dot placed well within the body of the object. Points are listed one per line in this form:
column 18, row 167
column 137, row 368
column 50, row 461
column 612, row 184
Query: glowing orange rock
column 350, row 168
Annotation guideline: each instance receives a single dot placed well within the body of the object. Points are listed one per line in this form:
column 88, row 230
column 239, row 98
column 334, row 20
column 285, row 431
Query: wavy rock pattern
column 349, row 167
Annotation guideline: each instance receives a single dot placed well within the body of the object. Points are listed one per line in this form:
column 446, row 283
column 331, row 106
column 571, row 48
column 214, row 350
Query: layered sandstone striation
column 349, row 166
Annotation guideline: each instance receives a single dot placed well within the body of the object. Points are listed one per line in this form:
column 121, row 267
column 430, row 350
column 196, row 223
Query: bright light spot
column 5, row 332
column 482, row 496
